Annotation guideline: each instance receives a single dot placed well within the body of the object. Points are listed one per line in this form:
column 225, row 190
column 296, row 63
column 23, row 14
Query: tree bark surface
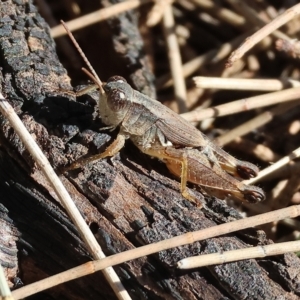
column 128, row 200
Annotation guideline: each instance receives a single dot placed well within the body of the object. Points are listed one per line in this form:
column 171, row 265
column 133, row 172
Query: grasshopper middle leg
column 111, row 150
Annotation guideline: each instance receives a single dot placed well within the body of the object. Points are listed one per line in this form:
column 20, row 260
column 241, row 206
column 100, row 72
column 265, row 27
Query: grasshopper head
column 115, row 102
column 118, row 94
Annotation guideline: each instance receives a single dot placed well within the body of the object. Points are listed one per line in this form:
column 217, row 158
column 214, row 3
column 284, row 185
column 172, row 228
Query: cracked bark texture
column 128, row 201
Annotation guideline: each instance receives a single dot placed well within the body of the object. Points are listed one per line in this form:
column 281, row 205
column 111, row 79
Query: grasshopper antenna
column 89, row 74
column 92, row 74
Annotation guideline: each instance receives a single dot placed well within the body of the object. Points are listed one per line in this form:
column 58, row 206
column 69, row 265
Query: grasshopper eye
column 116, row 100
column 116, row 79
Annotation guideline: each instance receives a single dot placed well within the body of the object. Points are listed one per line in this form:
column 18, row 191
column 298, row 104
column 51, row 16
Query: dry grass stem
column 221, row 13
column 174, row 58
column 156, row 13
column 263, row 32
column 97, row 16
column 269, row 85
column 284, row 172
column 256, row 19
column 5, row 292
column 251, row 148
column 243, row 105
column 185, row 239
column 236, row 255
column 63, row 195
column 213, row 56
column 254, row 123
column 283, row 192
column 276, row 166
column 195, row 38
column 291, row 47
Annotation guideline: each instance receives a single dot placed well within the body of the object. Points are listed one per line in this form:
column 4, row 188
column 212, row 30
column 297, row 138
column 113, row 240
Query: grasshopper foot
column 111, row 150
column 187, row 195
column 253, row 194
column 246, row 170
column 72, row 166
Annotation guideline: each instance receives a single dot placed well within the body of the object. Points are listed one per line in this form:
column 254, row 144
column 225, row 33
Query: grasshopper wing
column 175, row 129
column 180, row 132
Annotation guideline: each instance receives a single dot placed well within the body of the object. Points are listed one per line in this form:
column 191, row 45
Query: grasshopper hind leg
column 183, row 183
column 178, row 161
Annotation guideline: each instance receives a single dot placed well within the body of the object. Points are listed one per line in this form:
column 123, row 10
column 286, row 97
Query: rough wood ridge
column 129, row 200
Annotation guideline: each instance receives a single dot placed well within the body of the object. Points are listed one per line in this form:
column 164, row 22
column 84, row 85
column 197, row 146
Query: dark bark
column 128, row 201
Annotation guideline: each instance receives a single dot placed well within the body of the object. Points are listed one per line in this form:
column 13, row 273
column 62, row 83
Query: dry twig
column 5, row 292
column 63, row 195
column 267, row 85
column 279, row 164
column 191, row 237
column 243, row 105
column 174, row 58
column 263, row 32
column 156, row 13
column 97, row 16
column 236, row 255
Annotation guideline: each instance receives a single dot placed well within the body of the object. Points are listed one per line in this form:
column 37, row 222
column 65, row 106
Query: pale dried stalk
column 236, row 255
column 174, row 58
column 248, row 84
column 290, row 47
column 253, row 17
column 283, row 192
column 185, row 239
column 221, row 13
column 279, row 164
column 156, row 13
column 254, row 123
column 251, row 148
column 62, row 194
column 243, row 105
column 213, row 56
column 286, row 171
column 5, row 292
column 97, row 16
column 269, row 85
column 263, row 32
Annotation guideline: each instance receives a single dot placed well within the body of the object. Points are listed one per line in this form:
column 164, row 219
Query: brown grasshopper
column 159, row 132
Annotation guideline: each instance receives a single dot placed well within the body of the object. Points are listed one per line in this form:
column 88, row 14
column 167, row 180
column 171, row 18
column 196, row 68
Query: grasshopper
column 160, row 132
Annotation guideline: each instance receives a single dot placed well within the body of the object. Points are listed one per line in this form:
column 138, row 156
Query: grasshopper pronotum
column 159, row 132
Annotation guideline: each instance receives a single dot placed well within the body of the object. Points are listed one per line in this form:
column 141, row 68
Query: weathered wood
column 129, row 200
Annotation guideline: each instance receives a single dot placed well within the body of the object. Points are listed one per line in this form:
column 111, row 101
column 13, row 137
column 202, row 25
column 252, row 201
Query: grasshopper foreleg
column 111, row 150
column 87, row 90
